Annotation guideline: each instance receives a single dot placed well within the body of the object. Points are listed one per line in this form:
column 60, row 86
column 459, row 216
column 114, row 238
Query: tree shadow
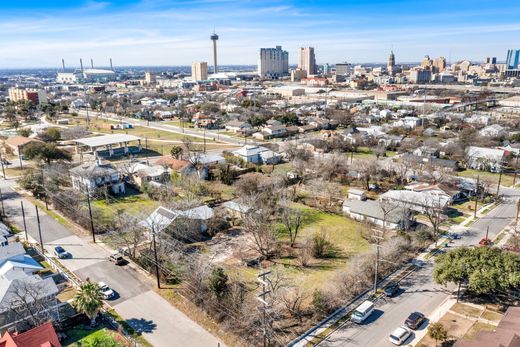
column 141, row 325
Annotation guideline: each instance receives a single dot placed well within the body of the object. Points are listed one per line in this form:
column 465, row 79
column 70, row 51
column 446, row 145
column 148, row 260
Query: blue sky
column 166, row 32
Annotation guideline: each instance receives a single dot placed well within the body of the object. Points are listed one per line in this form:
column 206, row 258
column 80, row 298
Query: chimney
column 81, row 64
column 91, row 63
column 63, row 64
column 111, row 67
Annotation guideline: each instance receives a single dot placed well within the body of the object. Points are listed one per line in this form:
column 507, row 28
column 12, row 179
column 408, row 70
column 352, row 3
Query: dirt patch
column 478, row 327
column 455, row 325
column 467, row 310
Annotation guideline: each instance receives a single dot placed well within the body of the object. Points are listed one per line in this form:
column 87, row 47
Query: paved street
column 418, row 292
column 145, row 310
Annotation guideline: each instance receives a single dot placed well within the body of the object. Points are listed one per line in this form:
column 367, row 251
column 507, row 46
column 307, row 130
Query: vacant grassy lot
column 342, row 232
column 507, row 180
column 132, row 204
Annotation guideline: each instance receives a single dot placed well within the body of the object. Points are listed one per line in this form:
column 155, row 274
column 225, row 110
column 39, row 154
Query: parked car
column 415, row 320
column 399, row 335
column 391, row 289
column 116, row 258
column 454, row 236
column 61, row 253
column 362, row 312
column 105, row 290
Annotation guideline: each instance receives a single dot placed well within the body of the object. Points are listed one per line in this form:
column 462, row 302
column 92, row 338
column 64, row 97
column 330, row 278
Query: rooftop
column 105, row 140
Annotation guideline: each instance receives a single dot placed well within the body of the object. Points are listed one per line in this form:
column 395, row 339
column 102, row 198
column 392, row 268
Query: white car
column 399, row 335
column 105, row 290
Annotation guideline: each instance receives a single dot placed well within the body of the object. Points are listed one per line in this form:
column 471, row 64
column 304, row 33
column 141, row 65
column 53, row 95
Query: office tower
column 420, row 75
column 214, row 38
column 439, row 64
column 149, row 77
column 343, row 69
column 491, row 60
column 199, row 71
column 273, row 62
column 426, row 62
column 513, row 62
column 307, row 60
column 326, row 69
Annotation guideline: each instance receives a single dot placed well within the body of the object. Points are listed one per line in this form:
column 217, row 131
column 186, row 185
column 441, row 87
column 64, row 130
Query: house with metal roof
column 257, row 155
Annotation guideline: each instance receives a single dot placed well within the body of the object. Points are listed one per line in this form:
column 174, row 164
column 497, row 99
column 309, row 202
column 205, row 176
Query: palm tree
column 88, row 300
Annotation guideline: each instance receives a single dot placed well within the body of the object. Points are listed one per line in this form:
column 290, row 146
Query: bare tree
column 368, row 170
column 29, row 303
column 434, row 206
column 292, row 219
column 261, row 230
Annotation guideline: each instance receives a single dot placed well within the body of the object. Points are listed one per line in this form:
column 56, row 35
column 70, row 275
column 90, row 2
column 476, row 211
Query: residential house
column 274, row 122
column 23, row 295
column 162, row 218
column 257, row 155
column 485, row 159
column 235, row 209
column 145, row 174
column 416, row 201
column 237, row 126
column 40, row 336
column 494, row 131
column 93, row 176
column 13, row 259
column 307, row 128
column 275, row 131
column 179, row 166
column 374, row 212
column 505, row 334
column 18, row 143
column 455, row 191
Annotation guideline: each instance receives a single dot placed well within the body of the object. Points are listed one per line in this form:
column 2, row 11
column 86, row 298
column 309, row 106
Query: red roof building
column 42, row 336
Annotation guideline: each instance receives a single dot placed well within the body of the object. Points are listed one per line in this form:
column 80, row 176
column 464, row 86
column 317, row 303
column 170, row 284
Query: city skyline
column 170, row 33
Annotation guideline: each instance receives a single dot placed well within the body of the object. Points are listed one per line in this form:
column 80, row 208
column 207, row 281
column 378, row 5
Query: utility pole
column 499, row 181
column 24, row 223
column 20, row 157
column 264, row 281
column 2, row 202
column 156, row 260
column 378, row 237
column 2, row 163
column 90, row 215
column 514, row 177
column 476, row 197
column 39, row 228
column 204, row 140
column 44, row 192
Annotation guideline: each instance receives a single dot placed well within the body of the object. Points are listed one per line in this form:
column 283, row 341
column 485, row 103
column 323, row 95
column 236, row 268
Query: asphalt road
column 419, row 292
column 144, row 309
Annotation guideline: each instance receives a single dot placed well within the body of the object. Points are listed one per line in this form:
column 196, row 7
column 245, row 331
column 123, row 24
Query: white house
column 13, row 258
column 238, row 126
column 373, row 212
column 416, row 201
column 257, row 155
column 96, row 175
column 488, row 159
column 163, row 217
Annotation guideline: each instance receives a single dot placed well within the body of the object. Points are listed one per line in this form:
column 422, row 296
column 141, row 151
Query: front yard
column 83, row 335
column 492, row 178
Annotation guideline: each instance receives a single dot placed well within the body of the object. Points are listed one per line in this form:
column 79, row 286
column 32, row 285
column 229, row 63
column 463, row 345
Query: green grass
column 507, row 180
column 343, row 233
column 134, row 204
column 457, row 220
column 82, row 334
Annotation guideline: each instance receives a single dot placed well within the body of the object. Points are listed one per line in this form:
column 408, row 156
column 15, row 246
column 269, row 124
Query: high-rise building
column 343, row 69
column 35, row 96
column 439, row 64
column 426, row 62
column 273, row 62
column 307, row 60
column 513, row 62
column 149, row 77
column 326, row 69
column 199, row 71
column 214, row 38
column 420, row 75
column 491, row 60
column 391, row 61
